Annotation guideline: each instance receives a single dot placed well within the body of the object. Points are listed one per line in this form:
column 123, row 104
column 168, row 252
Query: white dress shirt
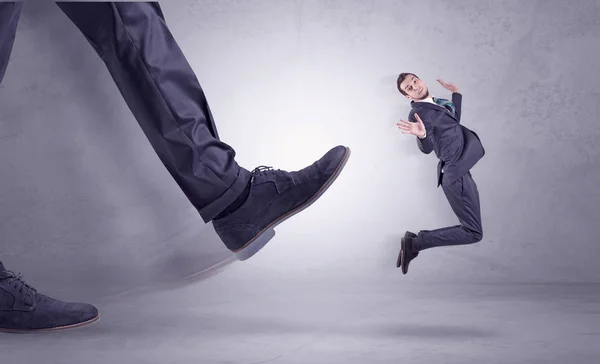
column 428, row 99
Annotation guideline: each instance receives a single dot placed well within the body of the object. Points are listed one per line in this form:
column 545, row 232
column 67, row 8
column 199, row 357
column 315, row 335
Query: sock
column 237, row 203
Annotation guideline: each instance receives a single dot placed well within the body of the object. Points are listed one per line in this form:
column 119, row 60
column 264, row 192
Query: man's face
column 414, row 87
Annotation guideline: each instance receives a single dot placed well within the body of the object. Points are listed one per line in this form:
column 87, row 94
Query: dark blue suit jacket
column 457, row 147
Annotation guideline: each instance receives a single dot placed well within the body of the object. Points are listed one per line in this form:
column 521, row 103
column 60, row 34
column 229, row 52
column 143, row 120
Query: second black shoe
column 407, row 254
column 23, row 309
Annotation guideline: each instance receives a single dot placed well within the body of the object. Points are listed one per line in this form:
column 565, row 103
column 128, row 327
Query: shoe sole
column 403, row 256
column 59, row 328
column 265, row 235
column 399, row 259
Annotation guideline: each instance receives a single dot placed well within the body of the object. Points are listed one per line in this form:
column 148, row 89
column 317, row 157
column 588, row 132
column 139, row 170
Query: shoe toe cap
column 57, row 313
column 331, row 160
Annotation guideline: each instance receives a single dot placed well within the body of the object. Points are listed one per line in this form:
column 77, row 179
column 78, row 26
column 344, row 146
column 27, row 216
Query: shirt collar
column 427, row 99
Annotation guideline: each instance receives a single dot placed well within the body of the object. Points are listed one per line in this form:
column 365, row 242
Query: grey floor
column 88, row 213
column 253, row 316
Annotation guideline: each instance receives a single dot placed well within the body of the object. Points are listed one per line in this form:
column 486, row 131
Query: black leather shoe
column 23, row 309
column 274, row 197
column 406, row 252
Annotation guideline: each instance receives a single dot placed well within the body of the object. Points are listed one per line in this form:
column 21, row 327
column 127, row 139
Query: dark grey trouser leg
column 162, row 91
column 464, row 200
column 10, row 12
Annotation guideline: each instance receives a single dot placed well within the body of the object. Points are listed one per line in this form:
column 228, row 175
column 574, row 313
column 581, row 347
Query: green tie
column 449, row 105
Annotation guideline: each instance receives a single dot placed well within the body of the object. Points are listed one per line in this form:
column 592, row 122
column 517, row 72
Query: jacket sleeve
column 457, row 100
column 425, row 144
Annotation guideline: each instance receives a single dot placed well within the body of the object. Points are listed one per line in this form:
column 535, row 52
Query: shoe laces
column 262, row 169
column 17, row 282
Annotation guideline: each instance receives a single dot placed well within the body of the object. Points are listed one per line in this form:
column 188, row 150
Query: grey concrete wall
column 85, row 205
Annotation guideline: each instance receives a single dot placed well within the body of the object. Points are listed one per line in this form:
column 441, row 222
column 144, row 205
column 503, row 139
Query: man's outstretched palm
column 416, row 129
column 448, row 86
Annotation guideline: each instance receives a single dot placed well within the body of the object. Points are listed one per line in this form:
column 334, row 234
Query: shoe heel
column 254, row 247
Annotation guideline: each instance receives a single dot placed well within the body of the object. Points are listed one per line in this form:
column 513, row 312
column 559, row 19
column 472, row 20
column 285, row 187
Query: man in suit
column 436, row 124
column 164, row 95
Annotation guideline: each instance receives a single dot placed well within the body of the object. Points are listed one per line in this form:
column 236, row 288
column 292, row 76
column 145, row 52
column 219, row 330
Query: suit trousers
column 161, row 90
column 463, row 197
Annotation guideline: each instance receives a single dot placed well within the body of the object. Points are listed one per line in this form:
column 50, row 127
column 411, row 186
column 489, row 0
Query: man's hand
column 417, row 129
column 448, row 86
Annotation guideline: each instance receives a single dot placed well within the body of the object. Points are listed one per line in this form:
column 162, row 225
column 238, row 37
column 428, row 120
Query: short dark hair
column 400, row 79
